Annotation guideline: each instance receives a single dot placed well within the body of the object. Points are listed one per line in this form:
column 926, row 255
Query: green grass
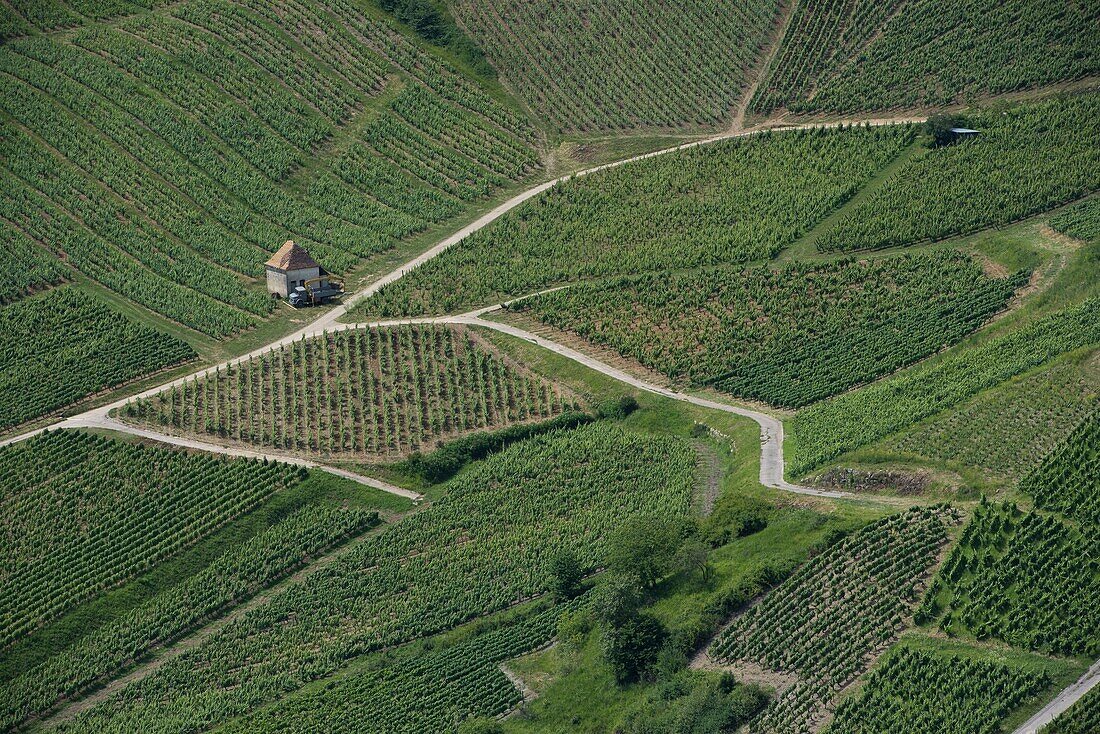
column 318, row 488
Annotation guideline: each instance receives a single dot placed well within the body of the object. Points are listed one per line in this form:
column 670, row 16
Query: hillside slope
column 166, row 153
column 584, row 65
column 862, row 55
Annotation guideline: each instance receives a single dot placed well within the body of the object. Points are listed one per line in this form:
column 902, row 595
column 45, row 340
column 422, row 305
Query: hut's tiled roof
column 292, row 257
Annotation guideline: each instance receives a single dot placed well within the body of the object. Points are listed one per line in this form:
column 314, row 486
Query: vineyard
column 170, row 152
column 584, row 65
column 83, row 513
column 1066, row 481
column 788, row 337
column 228, row 580
column 1007, row 431
column 826, row 622
column 917, row 692
column 1025, row 578
column 65, row 345
column 1080, row 221
column 828, row 429
column 844, row 56
column 363, row 393
column 425, row 693
column 485, row 545
column 29, row 267
column 1081, row 718
column 727, row 203
column 1023, row 162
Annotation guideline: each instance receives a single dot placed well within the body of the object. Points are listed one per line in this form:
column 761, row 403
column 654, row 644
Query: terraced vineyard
column 584, row 65
column 824, row 623
column 484, row 546
column 1024, row 161
column 1066, row 481
column 367, row 393
column 170, row 152
column 727, row 203
column 1025, row 578
column 65, row 345
column 228, row 580
column 788, row 337
column 1008, row 431
column 422, row 693
column 844, row 56
column 924, row 693
column 828, row 429
column 82, row 513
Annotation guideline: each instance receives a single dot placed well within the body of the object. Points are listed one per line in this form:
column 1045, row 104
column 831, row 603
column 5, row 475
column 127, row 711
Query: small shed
column 291, row 267
column 962, row 133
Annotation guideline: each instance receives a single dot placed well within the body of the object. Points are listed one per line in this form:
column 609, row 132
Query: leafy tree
column 616, row 598
column 694, row 556
column 566, row 575
column 618, row 409
column 939, row 127
column 632, row 648
column 645, row 548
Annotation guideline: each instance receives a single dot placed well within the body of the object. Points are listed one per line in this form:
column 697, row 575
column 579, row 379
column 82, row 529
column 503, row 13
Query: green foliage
column 443, row 463
column 65, row 345
column 1082, row 717
column 430, row 691
column 845, row 56
column 916, row 692
column 645, row 548
column 481, row 548
column 83, row 514
column 433, row 22
column 734, row 516
column 1068, row 480
column 1008, row 430
column 632, row 647
column 367, row 393
column 228, row 580
column 938, row 127
column 825, row 621
column 1081, row 221
column 1025, row 578
column 566, row 574
column 695, row 703
column 166, row 154
column 585, row 65
column 731, row 202
column 790, row 336
column 846, row 422
column 618, row 409
column 1024, row 161
column 616, row 598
